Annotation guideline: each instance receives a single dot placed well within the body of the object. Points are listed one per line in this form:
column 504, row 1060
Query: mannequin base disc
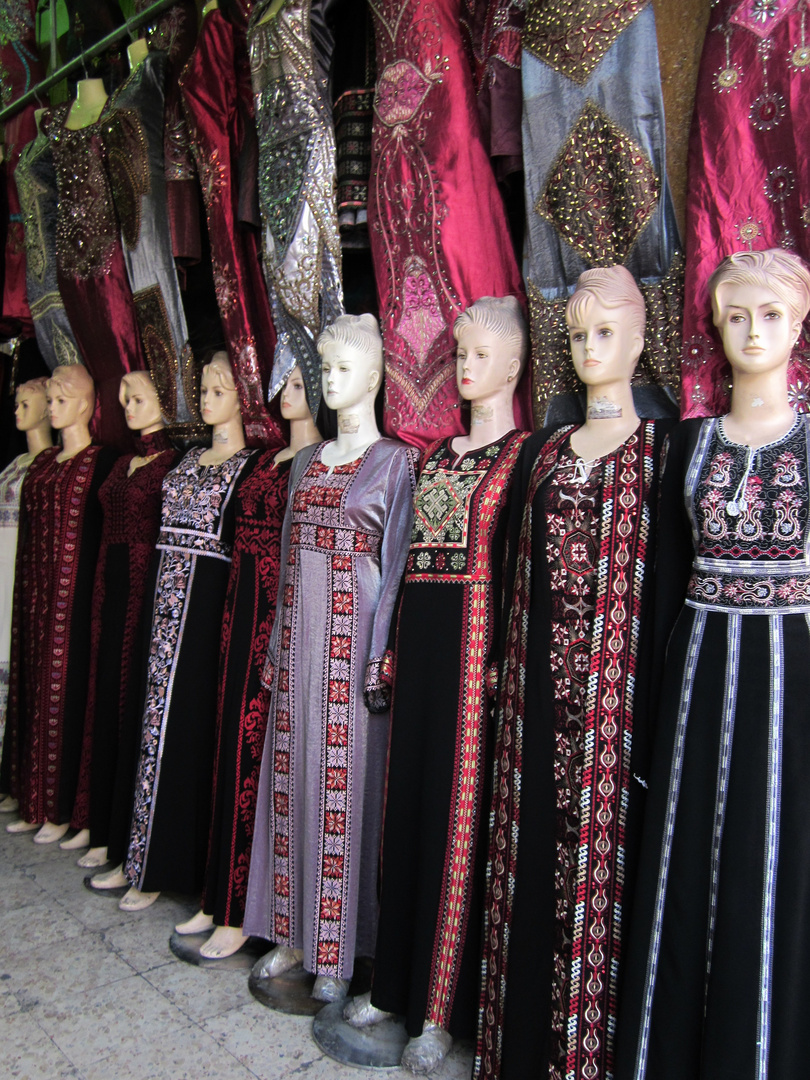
column 187, row 947
column 378, row 1046
column 116, row 894
column 291, row 992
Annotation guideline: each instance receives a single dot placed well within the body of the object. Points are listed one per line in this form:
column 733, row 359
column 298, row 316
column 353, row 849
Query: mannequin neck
column 490, row 419
column 137, row 52
column 38, row 114
column 226, row 440
column 272, row 11
column 39, row 438
column 91, row 98
column 760, row 407
column 357, row 430
column 74, row 439
column 302, row 433
column 611, row 419
column 212, row 5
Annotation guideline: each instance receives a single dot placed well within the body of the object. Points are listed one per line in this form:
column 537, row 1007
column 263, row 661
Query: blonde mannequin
column 71, row 400
column 219, row 405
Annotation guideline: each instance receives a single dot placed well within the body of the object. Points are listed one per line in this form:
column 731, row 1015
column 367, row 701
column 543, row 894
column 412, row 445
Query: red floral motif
column 331, row 907
column 335, row 823
column 328, row 953
column 281, row 884
column 333, row 866
column 336, row 779
column 401, row 89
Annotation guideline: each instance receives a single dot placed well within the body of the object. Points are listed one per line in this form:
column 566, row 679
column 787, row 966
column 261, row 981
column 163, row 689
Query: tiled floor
column 88, row 992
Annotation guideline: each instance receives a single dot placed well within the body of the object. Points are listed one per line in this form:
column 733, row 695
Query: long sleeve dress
column 716, row 984
column 11, row 479
column 570, row 747
column 313, row 871
column 437, row 798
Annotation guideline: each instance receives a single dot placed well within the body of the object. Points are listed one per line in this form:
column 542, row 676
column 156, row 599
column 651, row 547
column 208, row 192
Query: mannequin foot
column 50, row 833
column 225, row 941
column 22, row 826
column 137, row 901
column 77, row 842
column 360, row 1013
column 113, row 879
column 281, row 958
column 327, row 988
column 8, row 804
column 426, row 1052
column 96, row 856
column 197, row 924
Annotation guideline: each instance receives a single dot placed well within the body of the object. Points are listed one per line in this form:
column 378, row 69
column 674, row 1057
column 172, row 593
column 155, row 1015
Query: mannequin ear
column 638, row 348
column 514, row 368
column 373, row 380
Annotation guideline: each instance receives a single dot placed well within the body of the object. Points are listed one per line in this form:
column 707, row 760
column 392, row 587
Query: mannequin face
column 757, row 328
column 484, row 363
column 65, row 411
column 31, row 408
column 141, row 406
column 293, row 397
column 348, row 376
column 606, row 346
column 217, row 404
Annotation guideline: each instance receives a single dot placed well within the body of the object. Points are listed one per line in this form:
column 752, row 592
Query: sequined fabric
column 751, row 107
column 572, row 36
column 297, row 168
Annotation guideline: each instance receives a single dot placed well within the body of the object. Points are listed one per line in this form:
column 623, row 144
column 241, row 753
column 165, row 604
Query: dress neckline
column 721, row 430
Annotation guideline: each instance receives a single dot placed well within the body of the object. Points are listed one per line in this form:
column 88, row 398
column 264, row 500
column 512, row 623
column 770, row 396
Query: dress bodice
column 11, row 479
column 131, row 504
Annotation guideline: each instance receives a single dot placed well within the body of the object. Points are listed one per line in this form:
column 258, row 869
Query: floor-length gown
column 720, row 936
column 427, row 957
column 570, row 744
column 313, row 870
column 172, row 811
column 11, row 479
column 243, row 703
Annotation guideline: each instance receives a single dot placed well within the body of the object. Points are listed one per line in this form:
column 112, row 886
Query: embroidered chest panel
column 195, row 497
column 11, row 479
column 319, row 518
column 457, row 506
column 86, row 222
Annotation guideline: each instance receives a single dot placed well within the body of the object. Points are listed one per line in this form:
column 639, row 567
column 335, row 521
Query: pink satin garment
column 218, row 99
column 749, row 175
column 439, row 236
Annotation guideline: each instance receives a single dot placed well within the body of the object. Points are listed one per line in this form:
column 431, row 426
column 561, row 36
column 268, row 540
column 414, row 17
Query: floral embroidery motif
column 421, row 321
column 128, row 162
column 158, row 346
column 762, row 17
column 213, row 174
column 602, row 190
column 572, row 36
column 401, row 89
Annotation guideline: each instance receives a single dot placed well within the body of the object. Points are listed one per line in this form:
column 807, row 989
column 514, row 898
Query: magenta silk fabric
column 749, row 173
column 439, row 236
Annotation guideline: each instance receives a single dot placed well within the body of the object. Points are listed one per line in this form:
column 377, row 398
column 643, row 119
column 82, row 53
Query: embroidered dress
column 440, row 763
column 716, row 977
column 91, row 272
column 438, row 229
column 36, row 187
column 11, row 479
column 60, row 531
column 243, row 704
column 572, row 704
column 170, row 821
column 313, row 872
column 131, row 518
column 751, row 107
column 218, row 104
column 297, row 171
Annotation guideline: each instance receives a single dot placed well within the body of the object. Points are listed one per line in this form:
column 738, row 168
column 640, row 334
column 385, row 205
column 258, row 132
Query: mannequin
column 91, row 97
column 434, row 836
column 31, row 416
column 243, row 705
column 172, row 808
column 575, row 682
column 312, row 884
column 53, row 592
column 130, row 500
column 719, row 931
column 136, row 52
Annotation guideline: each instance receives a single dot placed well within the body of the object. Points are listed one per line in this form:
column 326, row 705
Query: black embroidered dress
column 720, row 948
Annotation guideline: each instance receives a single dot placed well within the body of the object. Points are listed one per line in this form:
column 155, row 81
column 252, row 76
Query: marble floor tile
column 141, row 949
column 188, row 1054
column 27, row 1052
column 53, row 974
column 35, row 926
column 200, row 992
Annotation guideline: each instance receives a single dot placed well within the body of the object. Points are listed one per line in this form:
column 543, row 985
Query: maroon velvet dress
column 243, row 705
column 60, row 531
column 92, row 276
column 131, row 519
column 218, row 102
column 439, row 236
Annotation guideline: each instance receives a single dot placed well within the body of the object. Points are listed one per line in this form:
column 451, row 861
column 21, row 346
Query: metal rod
column 129, row 27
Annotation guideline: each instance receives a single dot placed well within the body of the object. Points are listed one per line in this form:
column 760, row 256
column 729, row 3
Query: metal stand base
column 378, row 1046
column 291, row 992
column 187, row 947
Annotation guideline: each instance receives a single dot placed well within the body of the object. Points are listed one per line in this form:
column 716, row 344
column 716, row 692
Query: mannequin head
column 606, row 319
column 139, row 401
column 492, row 345
column 31, row 409
column 759, row 301
column 219, row 400
column 294, row 397
column 351, row 360
column 71, row 397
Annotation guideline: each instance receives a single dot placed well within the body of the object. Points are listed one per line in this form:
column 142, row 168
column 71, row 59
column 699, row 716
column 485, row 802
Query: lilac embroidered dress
column 169, row 837
column 313, row 874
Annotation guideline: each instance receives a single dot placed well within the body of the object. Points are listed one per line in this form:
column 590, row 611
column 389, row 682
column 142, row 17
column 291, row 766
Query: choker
column 153, row 443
